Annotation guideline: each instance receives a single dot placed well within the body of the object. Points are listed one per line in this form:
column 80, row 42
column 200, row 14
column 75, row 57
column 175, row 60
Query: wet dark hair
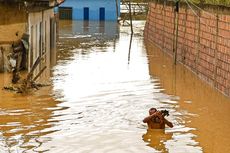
column 164, row 112
column 152, row 109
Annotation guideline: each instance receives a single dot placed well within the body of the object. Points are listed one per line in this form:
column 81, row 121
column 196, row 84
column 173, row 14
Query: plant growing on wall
column 216, row 2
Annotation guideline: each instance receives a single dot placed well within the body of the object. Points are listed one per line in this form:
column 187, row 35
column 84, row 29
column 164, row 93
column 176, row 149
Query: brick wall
column 203, row 43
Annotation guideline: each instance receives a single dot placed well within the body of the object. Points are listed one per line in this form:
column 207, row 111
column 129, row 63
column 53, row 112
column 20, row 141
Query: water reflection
column 86, row 26
column 85, row 29
column 156, row 138
column 26, row 120
column 100, row 93
column 108, row 90
column 130, row 45
column 200, row 106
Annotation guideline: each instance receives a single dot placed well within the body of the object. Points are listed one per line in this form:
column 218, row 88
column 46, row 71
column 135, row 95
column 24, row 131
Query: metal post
column 130, row 17
column 116, row 8
column 176, row 28
column 215, row 52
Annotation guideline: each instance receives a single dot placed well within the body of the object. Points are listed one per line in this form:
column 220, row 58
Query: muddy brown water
column 101, row 91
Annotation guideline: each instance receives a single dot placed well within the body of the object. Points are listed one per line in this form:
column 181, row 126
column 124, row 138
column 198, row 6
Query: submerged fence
column 197, row 37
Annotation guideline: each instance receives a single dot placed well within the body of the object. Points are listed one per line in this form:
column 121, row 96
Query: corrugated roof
column 33, row 5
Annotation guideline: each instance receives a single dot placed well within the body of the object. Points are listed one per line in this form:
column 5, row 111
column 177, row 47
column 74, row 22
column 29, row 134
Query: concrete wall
column 40, row 25
column 78, row 6
column 5, row 49
column 13, row 23
column 203, row 42
column 9, row 31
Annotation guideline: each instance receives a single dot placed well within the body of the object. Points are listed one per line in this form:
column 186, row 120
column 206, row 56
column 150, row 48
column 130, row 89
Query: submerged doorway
column 65, row 13
column 86, row 13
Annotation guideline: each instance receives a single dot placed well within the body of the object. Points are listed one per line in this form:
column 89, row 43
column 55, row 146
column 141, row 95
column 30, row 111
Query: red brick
column 160, row 26
column 224, row 33
column 228, row 18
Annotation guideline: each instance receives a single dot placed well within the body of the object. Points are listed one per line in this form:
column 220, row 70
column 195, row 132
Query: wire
column 187, row 1
column 202, row 20
column 204, row 10
column 191, row 8
column 201, row 8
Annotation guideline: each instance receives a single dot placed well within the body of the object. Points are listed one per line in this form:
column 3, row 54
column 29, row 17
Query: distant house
column 31, row 24
column 90, row 10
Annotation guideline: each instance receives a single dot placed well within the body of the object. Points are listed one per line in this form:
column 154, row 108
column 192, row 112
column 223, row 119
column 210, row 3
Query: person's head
column 152, row 110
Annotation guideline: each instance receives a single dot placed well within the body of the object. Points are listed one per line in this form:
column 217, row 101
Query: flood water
column 101, row 89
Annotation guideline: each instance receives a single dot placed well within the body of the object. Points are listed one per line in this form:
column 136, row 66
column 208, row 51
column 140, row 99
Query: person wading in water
column 155, row 135
column 156, row 119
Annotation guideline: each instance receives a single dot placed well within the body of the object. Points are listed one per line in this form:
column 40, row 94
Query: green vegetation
column 216, row 2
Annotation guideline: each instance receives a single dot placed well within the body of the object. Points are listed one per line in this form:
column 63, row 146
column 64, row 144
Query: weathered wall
column 11, row 32
column 12, row 22
column 4, row 51
column 203, row 40
column 12, row 27
column 42, row 38
column 78, row 8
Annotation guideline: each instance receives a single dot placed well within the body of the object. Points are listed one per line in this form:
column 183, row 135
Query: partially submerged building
column 27, row 28
column 90, row 10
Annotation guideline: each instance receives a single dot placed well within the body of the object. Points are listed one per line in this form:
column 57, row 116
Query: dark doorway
column 102, row 14
column 86, row 13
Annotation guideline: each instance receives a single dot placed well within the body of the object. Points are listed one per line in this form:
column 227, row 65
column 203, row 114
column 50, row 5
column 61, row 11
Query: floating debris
column 28, row 83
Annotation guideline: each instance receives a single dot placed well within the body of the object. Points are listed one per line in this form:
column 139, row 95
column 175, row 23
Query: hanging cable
column 203, row 10
column 202, row 20
column 191, row 8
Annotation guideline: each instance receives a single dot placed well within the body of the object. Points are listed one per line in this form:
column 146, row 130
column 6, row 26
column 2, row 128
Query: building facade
column 90, row 10
column 12, row 26
column 42, row 38
column 31, row 24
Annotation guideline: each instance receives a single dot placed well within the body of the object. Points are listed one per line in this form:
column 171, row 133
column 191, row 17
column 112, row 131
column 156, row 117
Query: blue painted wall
column 94, row 6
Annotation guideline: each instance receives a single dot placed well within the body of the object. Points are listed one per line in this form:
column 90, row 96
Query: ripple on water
column 102, row 94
